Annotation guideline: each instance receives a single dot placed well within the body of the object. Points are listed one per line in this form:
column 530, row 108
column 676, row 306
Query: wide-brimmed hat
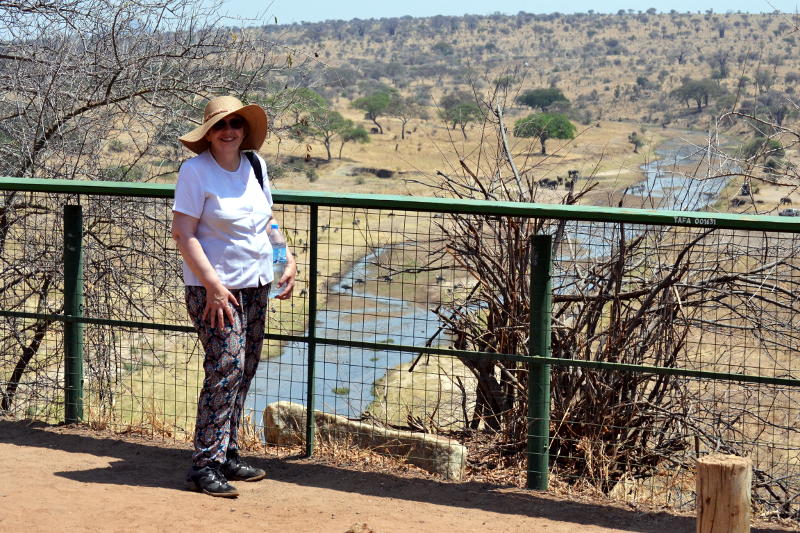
column 219, row 108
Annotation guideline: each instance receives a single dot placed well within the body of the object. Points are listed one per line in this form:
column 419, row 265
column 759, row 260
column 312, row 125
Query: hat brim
column 257, row 127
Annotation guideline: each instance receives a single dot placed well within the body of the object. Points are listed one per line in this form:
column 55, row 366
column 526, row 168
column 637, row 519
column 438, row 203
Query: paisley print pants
column 231, row 357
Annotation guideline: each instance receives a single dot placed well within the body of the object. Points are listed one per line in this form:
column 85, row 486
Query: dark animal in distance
column 548, row 183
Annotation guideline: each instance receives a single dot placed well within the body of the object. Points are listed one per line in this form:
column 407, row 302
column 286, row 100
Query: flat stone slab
column 285, row 423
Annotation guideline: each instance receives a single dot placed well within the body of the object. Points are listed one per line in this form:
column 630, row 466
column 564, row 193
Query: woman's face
column 227, row 134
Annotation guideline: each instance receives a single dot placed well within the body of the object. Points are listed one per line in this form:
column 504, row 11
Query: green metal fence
column 641, row 339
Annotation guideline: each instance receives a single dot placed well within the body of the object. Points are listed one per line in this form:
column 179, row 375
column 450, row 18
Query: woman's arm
column 217, row 296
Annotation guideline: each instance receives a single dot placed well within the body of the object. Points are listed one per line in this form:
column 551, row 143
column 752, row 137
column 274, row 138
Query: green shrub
column 116, row 146
column 122, row 173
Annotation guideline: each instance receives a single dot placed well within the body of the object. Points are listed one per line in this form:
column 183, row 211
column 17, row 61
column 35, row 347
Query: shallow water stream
column 344, row 376
column 668, row 184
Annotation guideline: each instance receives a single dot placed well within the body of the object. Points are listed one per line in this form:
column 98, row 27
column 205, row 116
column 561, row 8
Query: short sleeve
column 189, row 195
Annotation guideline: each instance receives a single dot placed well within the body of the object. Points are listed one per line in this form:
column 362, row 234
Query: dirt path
column 71, row 479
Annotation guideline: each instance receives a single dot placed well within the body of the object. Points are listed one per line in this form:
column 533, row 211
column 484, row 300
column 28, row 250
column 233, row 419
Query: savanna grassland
column 622, row 74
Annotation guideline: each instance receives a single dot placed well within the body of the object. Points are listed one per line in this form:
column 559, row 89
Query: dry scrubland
column 600, row 152
column 619, row 72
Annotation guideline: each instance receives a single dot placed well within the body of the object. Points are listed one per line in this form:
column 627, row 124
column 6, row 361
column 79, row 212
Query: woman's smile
column 227, row 134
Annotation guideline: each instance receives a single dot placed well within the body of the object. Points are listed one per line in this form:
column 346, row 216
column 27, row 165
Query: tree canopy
column 698, row 91
column 404, row 109
column 305, row 100
column 323, row 124
column 459, row 109
column 545, row 126
column 763, row 148
column 351, row 132
column 375, row 105
column 636, row 140
column 541, row 98
column 775, row 106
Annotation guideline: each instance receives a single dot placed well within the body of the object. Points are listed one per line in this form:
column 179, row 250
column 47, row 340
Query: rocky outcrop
column 285, row 423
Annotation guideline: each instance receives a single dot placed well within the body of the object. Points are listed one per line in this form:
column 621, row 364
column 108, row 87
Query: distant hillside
column 621, row 66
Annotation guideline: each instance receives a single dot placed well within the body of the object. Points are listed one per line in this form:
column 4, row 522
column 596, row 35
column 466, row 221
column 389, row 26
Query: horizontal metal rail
column 466, row 354
column 437, row 205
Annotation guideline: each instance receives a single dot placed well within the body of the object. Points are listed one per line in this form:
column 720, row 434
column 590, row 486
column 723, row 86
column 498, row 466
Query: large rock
column 285, row 423
column 440, row 392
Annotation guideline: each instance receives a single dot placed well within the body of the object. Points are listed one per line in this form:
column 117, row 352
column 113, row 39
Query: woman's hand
column 286, row 283
column 217, row 308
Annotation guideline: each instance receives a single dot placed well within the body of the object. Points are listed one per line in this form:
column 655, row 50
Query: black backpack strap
column 256, row 164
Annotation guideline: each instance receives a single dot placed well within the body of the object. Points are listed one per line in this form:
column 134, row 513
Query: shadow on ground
column 152, row 464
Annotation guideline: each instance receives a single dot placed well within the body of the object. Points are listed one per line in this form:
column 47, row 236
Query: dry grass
column 600, row 152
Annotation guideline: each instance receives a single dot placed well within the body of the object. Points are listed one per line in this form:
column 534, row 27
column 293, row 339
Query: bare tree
column 88, row 87
column 654, row 296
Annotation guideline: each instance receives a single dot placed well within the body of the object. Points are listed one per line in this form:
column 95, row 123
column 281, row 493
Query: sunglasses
column 235, row 123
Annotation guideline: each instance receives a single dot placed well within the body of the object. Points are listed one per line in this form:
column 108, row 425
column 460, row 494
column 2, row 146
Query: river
column 344, row 375
column 666, row 183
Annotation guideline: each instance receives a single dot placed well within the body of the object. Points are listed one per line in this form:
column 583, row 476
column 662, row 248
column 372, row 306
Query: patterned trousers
column 231, row 357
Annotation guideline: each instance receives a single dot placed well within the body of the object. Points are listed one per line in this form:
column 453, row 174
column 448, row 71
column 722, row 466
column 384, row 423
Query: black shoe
column 209, row 480
column 236, row 470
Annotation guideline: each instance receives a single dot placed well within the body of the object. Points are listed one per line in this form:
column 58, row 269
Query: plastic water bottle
column 279, row 258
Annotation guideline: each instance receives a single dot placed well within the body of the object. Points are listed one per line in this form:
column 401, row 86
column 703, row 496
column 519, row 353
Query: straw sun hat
column 219, row 108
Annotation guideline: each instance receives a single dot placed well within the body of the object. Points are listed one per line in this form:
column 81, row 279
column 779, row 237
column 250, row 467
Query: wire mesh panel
column 651, row 457
column 380, row 280
column 667, row 342
column 683, row 299
column 31, row 268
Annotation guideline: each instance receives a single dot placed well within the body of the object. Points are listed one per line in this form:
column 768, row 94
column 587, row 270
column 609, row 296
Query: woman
column 221, row 217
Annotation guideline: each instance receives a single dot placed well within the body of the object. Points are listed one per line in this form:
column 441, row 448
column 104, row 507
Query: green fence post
column 539, row 373
column 311, row 425
column 73, row 308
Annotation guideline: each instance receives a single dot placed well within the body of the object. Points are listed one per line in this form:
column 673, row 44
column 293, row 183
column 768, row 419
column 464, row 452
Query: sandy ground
column 72, row 479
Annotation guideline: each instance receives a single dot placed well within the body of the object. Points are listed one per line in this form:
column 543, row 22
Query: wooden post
column 723, row 494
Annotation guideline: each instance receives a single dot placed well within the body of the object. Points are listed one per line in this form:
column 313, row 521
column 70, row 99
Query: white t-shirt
column 232, row 218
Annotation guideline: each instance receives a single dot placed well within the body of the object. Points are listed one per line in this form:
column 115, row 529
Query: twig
column 508, row 152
